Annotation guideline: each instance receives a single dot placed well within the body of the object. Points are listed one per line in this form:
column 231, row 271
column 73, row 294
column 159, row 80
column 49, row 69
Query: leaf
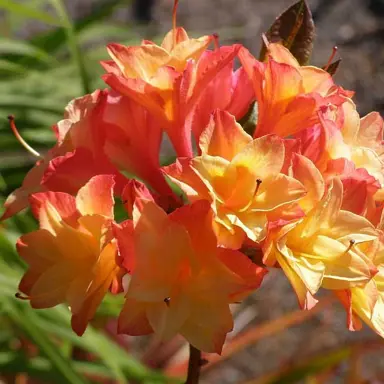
column 54, row 40
column 61, row 365
column 295, row 29
column 16, row 102
column 29, row 12
column 40, row 368
column 73, row 44
column 249, row 120
column 9, row 66
column 17, row 47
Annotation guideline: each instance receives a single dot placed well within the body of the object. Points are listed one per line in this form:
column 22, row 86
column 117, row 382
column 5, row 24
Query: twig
column 194, row 365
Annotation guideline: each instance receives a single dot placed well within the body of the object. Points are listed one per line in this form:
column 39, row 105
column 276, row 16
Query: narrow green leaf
column 73, row 44
column 15, row 102
column 295, row 29
column 19, row 313
column 17, row 47
column 29, row 12
column 9, row 66
column 249, row 120
column 54, row 40
column 40, row 368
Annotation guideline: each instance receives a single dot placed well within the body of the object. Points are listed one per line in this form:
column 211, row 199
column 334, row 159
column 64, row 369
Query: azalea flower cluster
column 302, row 191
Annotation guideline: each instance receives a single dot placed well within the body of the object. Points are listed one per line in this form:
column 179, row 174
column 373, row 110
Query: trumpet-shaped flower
column 181, row 282
column 288, row 95
column 72, row 257
column 367, row 302
column 240, row 177
column 329, row 248
column 171, row 95
column 77, row 156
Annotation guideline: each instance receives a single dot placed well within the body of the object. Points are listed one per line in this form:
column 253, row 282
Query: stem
column 194, row 365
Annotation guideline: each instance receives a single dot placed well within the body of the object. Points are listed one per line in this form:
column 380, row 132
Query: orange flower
column 240, row 177
column 288, row 95
column 76, row 157
column 170, row 95
column 329, row 248
column 72, row 257
column 181, row 281
column 367, row 302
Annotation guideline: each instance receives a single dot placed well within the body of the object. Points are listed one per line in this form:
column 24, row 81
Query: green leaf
column 29, row 12
column 19, row 313
column 16, row 102
column 295, row 29
column 54, row 40
column 17, row 47
column 9, row 66
column 249, row 120
column 40, row 368
column 73, row 44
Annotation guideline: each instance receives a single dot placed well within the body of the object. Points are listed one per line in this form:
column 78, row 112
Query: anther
column 258, row 183
column 12, row 124
column 216, row 40
column 351, row 244
column 167, row 300
column 333, row 54
column 18, row 295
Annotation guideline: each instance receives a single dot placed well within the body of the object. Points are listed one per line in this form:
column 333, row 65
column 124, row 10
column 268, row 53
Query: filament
column 20, row 296
column 174, row 17
column 333, row 54
column 351, row 244
column 12, row 124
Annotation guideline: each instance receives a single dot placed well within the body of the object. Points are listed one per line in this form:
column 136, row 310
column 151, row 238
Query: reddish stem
column 194, row 365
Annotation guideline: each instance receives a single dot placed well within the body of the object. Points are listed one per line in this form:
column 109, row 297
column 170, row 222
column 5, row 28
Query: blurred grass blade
column 317, row 364
column 73, row 44
column 27, row 319
column 40, row 368
column 260, row 331
column 54, row 40
column 312, row 366
column 9, row 66
column 29, row 12
column 17, row 102
column 21, row 48
column 119, row 362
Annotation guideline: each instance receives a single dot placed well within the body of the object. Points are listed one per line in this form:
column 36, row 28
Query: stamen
column 174, row 25
column 20, row 296
column 333, row 54
column 167, row 300
column 216, row 40
column 258, row 183
column 351, row 244
column 265, row 40
column 12, row 124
